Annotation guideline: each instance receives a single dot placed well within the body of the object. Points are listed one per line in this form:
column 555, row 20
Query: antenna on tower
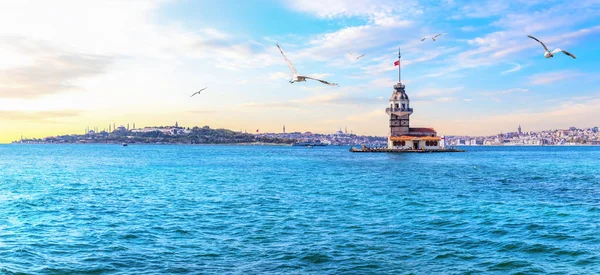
column 399, row 66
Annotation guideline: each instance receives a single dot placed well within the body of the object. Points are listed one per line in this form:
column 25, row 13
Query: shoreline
column 273, row 144
column 137, row 143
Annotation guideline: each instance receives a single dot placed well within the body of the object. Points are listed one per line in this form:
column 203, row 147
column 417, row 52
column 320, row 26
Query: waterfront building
column 402, row 136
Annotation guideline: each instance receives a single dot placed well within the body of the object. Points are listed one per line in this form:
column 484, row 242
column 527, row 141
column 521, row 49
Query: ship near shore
column 310, row 143
column 402, row 137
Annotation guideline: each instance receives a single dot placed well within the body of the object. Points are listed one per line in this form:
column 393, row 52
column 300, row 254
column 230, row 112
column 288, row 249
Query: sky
column 66, row 65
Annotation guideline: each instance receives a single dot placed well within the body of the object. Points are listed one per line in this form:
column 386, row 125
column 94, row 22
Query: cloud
column 430, row 95
column 48, row 116
column 484, row 9
column 366, row 116
column 352, row 39
column 379, row 24
column 383, row 82
column 372, row 9
column 430, row 92
column 49, row 70
column 279, row 76
column 489, row 49
column 552, row 24
column 320, row 76
column 551, row 77
column 514, row 69
column 417, row 55
column 468, row 28
column 444, row 99
column 317, row 100
column 129, row 29
column 504, row 92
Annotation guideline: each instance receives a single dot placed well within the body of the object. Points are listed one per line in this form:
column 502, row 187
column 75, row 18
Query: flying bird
column 547, row 53
column 356, row 57
column 433, row 37
column 198, row 92
column 300, row 78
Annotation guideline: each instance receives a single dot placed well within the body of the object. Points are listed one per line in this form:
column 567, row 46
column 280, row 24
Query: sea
column 177, row 209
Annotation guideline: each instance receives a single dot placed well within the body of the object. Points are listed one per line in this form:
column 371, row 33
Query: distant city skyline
column 518, row 130
column 140, row 60
column 570, row 136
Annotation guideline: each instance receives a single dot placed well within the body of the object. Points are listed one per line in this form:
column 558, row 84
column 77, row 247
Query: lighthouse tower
column 399, row 110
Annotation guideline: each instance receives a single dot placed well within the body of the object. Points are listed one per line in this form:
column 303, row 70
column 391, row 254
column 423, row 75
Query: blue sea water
column 143, row 209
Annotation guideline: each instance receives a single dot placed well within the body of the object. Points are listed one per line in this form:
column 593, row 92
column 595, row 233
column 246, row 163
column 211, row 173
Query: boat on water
column 310, row 143
column 124, row 144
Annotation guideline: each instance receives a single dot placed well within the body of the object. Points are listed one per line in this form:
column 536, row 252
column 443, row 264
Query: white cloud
column 367, row 8
column 468, row 28
column 49, row 70
column 336, row 98
column 434, row 91
column 367, row 116
column 551, row 77
column 383, row 20
column 383, row 82
column 280, row 76
column 320, row 76
column 503, row 92
column 516, row 68
column 482, row 9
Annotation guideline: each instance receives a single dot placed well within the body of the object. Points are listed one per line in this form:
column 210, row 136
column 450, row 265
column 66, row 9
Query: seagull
column 300, row 78
column 433, row 37
column 547, row 53
column 356, row 57
column 198, row 92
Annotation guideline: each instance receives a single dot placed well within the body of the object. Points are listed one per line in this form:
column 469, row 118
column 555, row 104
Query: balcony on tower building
column 398, row 110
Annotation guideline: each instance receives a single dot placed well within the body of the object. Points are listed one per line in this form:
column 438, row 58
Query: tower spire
column 399, row 66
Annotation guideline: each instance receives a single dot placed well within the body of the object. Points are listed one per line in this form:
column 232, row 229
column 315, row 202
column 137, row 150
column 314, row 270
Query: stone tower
column 399, row 109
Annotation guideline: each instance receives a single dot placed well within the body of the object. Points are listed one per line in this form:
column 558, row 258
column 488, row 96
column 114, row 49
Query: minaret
column 284, row 129
column 399, row 109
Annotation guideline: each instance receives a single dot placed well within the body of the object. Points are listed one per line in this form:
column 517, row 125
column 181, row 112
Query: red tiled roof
column 408, row 138
column 401, row 138
column 426, row 130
